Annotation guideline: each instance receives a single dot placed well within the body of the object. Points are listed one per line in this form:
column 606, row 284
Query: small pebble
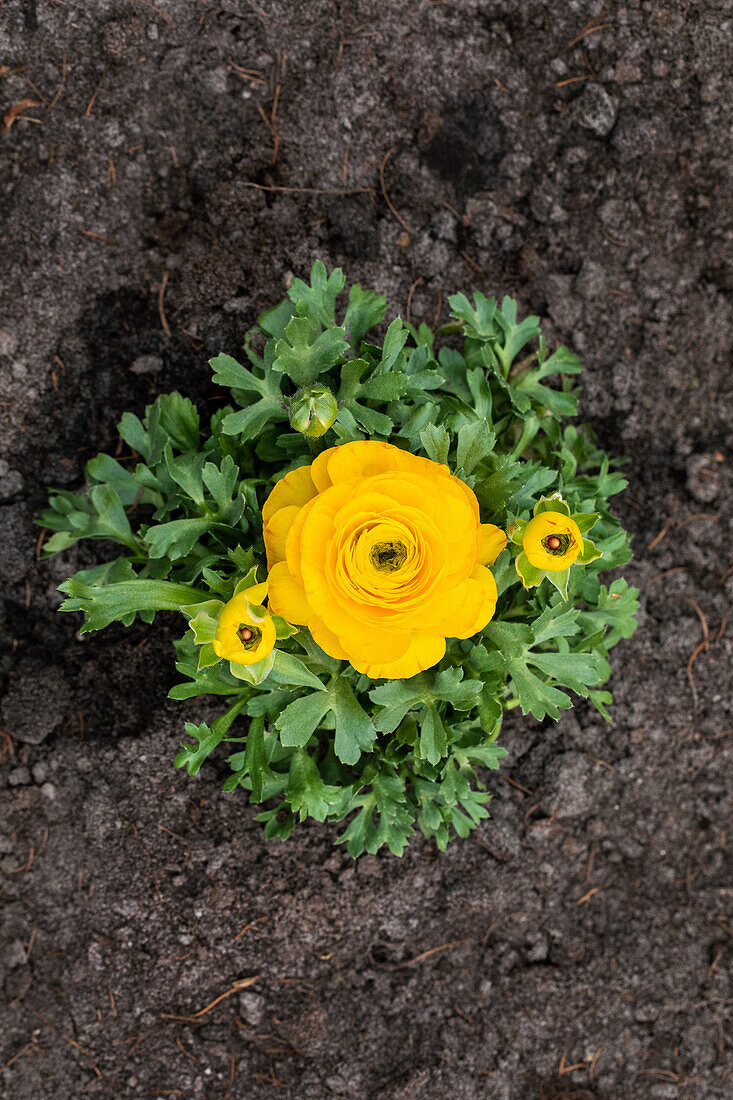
column 146, row 364
column 703, row 477
column 596, row 110
column 40, row 772
column 19, row 777
column 8, row 343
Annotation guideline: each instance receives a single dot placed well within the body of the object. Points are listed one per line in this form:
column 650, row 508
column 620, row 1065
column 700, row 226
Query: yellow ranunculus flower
column 242, row 634
column 382, row 555
column 552, row 541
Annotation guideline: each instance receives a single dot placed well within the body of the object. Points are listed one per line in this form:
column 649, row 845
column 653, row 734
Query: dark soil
column 580, row 944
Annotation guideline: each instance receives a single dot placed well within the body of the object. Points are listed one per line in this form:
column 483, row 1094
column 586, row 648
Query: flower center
column 387, row 557
column 557, row 544
column 249, row 636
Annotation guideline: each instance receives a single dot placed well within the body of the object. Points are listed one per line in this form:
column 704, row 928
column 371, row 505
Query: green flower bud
column 313, row 410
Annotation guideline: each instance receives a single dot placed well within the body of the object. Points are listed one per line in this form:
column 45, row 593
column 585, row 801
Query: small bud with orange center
column 552, row 541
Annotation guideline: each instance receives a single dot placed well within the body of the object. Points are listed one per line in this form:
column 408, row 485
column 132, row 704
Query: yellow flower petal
column 461, row 611
column 377, row 550
column 370, row 643
column 275, row 532
column 287, row 596
column 326, row 639
column 319, row 471
column 367, row 457
column 492, row 541
column 424, row 652
column 234, row 612
column 227, row 642
column 256, row 594
column 468, row 494
column 295, row 488
column 547, row 525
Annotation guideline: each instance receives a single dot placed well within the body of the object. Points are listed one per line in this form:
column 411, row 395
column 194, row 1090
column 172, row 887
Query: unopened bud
column 313, row 410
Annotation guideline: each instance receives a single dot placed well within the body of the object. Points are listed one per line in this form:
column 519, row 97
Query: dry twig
column 385, row 195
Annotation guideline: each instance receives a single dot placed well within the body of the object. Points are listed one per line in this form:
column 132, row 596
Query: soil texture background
column 164, row 169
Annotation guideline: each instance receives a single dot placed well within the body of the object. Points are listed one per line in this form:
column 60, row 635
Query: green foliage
column 307, row 735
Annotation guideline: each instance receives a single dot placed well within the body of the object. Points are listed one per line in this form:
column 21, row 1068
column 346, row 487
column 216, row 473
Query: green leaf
column 179, row 419
column 108, row 471
column 147, row 439
column 488, row 753
column 254, row 417
column 475, row 442
column 300, row 719
column 494, row 491
column 562, row 361
column 306, row 792
column 436, row 443
column 365, row 310
column 204, row 619
column 355, row 731
column 601, row 700
column 504, row 573
column 433, row 739
column 381, row 387
column 113, row 521
column 589, row 553
column 256, row 673
column 319, row 299
column 450, row 686
column 479, row 319
column 397, row 697
column 243, row 557
column 574, row 670
column 384, row 387
column 555, row 622
column 249, row 423
column 535, row 696
column 512, row 656
column 228, row 372
column 221, row 481
column 394, row 340
column 207, row 657
column 559, row 580
column 515, row 335
column 283, row 629
column 185, row 470
column 615, row 609
column 207, row 680
column 256, row 764
column 585, row 521
column 274, row 321
column 207, row 738
column 303, row 355
column 104, row 604
column 511, row 639
column 529, row 574
column 346, row 427
column 289, row 669
column 393, row 825
column 74, row 517
column 535, row 479
column 376, row 423
column 175, row 539
column 553, row 503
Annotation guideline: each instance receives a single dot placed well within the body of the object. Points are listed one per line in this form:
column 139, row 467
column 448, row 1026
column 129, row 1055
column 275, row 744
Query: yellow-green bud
column 313, row 410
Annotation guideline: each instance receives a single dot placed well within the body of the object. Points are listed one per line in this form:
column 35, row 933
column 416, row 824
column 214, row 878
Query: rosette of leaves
column 308, row 736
